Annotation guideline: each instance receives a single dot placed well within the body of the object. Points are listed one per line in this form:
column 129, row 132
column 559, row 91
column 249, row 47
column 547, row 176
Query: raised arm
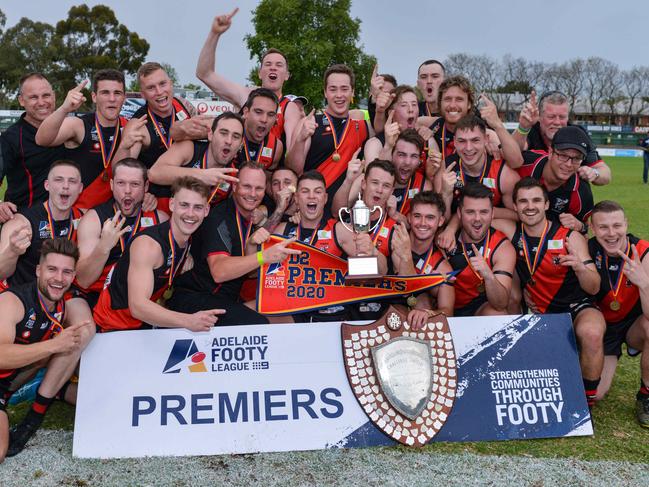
column 206, row 72
column 58, row 128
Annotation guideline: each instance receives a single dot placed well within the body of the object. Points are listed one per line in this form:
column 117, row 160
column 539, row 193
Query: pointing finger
column 233, row 13
column 311, row 113
column 451, row 166
column 475, row 250
column 81, row 85
column 217, row 311
column 375, row 71
column 355, row 156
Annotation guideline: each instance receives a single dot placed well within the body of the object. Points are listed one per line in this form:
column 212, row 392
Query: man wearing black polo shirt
column 225, row 252
column 538, row 124
column 26, row 164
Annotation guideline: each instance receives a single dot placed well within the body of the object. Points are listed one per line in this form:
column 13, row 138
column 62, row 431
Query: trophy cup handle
column 340, row 217
column 380, row 216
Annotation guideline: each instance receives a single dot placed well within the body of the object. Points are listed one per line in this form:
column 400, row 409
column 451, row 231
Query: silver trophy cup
column 361, row 267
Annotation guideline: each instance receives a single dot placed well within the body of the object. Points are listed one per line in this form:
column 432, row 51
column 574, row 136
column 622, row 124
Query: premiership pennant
column 315, row 279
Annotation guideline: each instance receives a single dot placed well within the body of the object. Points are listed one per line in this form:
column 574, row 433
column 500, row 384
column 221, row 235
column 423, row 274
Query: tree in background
column 88, row 40
column 313, row 34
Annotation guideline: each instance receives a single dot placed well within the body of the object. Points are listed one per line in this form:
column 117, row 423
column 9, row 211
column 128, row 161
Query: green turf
column 617, row 434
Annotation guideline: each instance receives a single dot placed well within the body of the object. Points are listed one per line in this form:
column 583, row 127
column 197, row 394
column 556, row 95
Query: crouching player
column 623, row 267
column 38, row 330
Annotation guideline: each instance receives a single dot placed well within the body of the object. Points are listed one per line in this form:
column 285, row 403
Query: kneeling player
column 32, row 336
column 149, row 265
column 557, row 275
column 105, row 230
column 425, row 217
column 482, row 255
column 315, row 228
column 623, row 296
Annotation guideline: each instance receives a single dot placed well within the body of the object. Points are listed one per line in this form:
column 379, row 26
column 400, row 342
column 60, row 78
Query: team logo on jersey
column 489, row 183
column 44, row 230
column 146, row 221
column 560, row 204
column 185, row 354
column 324, row 234
column 555, row 244
column 26, row 334
column 266, row 152
column 31, row 319
column 180, row 116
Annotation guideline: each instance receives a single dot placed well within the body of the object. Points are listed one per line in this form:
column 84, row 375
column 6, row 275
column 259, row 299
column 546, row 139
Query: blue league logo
column 185, row 353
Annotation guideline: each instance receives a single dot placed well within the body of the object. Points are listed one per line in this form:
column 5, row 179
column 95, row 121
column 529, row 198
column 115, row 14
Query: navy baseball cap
column 571, row 137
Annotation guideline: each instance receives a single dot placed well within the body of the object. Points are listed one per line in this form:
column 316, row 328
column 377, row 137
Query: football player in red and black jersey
column 213, row 162
column 22, row 236
column 623, row 265
column 38, row 329
column 408, row 180
column 426, row 216
column 105, row 231
column 150, row 264
column 473, row 164
column 557, row 275
column 273, row 73
column 260, row 144
column 327, row 142
column 482, row 255
column 571, row 198
column 317, row 229
column 92, row 139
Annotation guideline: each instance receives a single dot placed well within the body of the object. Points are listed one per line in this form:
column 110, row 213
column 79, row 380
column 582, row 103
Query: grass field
column 617, row 434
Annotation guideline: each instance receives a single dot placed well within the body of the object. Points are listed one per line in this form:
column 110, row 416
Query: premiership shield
column 404, row 380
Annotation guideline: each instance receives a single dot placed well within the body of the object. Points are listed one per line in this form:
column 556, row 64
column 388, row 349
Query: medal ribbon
column 484, row 170
column 134, row 228
column 56, row 326
column 443, row 140
column 245, row 149
column 50, row 221
column 106, row 157
column 406, row 194
column 485, row 242
column 618, row 281
column 167, row 141
column 527, row 250
column 429, row 254
column 175, row 264
column 243, row 238
column 314, row 235
column 334, row 135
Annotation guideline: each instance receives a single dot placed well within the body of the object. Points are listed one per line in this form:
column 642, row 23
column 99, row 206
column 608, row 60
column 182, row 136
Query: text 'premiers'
column 241, row 407
column 527, row 396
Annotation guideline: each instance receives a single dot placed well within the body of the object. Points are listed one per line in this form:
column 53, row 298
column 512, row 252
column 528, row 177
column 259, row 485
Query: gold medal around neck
column 532, row 282
column 411, row 301
column 336, row 157
column 168, row 293
column 104, row 177
column 481, row 287
column 615, row 305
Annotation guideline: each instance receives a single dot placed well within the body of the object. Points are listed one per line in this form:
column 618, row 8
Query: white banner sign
column 284, row 387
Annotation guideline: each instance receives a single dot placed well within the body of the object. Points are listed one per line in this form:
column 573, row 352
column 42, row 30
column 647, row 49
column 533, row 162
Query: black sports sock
column 590, row 387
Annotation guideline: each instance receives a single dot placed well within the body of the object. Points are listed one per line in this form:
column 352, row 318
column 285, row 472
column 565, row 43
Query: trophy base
column 363, row 268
